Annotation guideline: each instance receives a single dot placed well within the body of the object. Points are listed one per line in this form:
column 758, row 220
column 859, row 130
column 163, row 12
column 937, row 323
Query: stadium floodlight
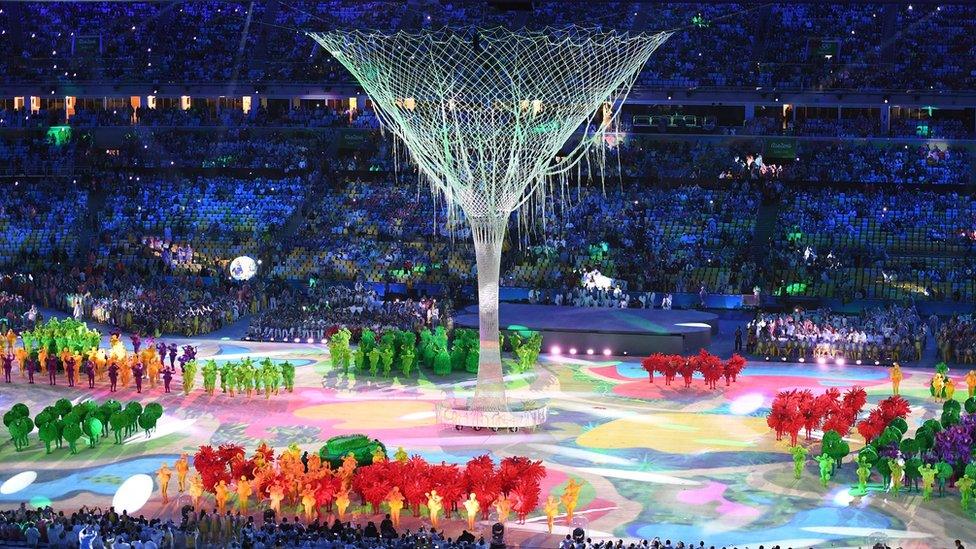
column 486, row 115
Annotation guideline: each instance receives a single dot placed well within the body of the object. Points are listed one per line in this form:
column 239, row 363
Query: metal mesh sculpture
column 485, row 114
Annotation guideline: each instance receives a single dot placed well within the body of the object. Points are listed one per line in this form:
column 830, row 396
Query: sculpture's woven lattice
column 485, row 114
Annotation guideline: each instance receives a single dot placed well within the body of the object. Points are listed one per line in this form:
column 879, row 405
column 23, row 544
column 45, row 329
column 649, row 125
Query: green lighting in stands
column 794, row 236
column 796, row 288
column 59, row 135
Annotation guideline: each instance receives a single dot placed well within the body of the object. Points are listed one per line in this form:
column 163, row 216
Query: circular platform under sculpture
column 521, row 415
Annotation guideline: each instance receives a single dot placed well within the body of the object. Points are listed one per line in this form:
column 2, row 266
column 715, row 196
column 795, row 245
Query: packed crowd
column 888, row 244
column 819, row 46
column 315, row 313
column 956, row 339
column 221, row 217
column 892, row 333
column 13, row 312
column 98, row 529
column 38, row 219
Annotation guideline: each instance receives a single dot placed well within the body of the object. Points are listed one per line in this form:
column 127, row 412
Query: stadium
column 488, row 273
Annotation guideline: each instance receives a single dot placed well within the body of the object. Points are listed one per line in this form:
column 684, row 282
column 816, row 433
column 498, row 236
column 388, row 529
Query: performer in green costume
column 799, row 459
column 965, row 485
column 928, row 480
column 209, row 376
column 897, row 467
column 863, row 473
column 826, row 468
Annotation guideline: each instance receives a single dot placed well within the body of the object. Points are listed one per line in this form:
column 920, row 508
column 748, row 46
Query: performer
column 551, row 509
column 826, row 468
column 243, row 494
column 471, row 507
column 69, row 369
column 799, row 459
column 89, row 367
column 196, row 489
column 434, row 505
column 172, row 357
column 152, row 368
column 949, row 388
column 276, row 494
column 32, row 365
column 896, row 376
column 503, row 507
column 182, row 466
column 309, row 504
column 570, row 498
column 162, row 476
column 938, row 382
column 21, row 355
column 863, row 473
column 897, row 467
column 125, row 372
column 113, row 376
column 8, row 363
column 342, row 503
column 52, row 369
column 167, row 378
column 395, row 500
column 220, row 494
column 928, row 480
column 137, row 375
column 965, row 486
column 971, row 383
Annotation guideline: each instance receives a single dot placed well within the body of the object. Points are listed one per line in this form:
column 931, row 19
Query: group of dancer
column 942, row 387
column 69, row 348
column 307, row 483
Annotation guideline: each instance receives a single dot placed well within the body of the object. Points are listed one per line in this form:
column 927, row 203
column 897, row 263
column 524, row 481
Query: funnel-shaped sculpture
column 485, row 113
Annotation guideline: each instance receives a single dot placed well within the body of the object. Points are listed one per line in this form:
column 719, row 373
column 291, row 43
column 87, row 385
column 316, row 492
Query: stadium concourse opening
column 474, row 273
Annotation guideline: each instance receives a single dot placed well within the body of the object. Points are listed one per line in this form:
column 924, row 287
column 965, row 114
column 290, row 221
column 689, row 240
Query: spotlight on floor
column 840, row 361
column 858, row 362
column 323, row 341
column 589, row 351
column 309, row 341
column 821, row 360
column 296, row 340
column 784, row 359
column 877, row 362
column 802, row 359
column 572, row 350
column 606, row 352
column 555, row 350
column 767, row 359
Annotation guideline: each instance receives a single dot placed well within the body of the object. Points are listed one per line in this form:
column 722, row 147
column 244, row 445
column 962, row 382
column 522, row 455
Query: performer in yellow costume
column 570, row 498
column 395, row 500
column 163, row 475
column 896, row 376
column 471, row 507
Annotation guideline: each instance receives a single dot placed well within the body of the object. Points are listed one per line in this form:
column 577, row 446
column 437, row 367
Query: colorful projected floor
column 668, row 462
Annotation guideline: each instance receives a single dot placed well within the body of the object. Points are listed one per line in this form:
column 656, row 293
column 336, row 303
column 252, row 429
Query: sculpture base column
column 488, row 234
